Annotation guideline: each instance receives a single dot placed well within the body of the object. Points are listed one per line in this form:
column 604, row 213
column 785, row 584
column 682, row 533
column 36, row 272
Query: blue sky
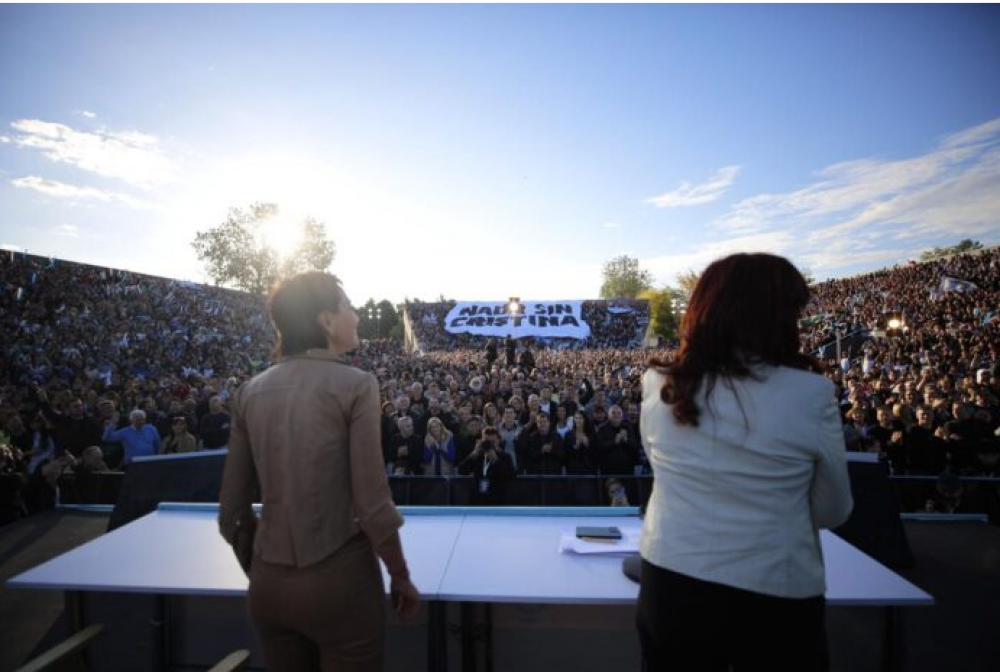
column 487, row 151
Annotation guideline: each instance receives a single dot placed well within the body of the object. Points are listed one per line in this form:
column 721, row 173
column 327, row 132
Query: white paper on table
column 629, row 543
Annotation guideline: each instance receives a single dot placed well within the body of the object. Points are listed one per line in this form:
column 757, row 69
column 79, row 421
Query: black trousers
column 689, row 625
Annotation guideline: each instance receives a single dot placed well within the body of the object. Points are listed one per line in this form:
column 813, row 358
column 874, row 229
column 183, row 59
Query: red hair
column 743, row 311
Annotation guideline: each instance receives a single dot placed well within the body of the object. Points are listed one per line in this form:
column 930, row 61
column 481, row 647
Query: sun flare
column 282, row 233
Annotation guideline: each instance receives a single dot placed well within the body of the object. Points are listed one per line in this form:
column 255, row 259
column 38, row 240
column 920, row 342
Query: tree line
column 238, row 254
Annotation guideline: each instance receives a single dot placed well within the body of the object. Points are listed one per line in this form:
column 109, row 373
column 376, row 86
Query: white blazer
column 738, row 499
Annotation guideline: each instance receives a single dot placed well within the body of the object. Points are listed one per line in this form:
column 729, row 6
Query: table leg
column 488, row 637
column 893, row 655
column 161, row 628
column 75, row 617
column 468, row 620
column 437, row 636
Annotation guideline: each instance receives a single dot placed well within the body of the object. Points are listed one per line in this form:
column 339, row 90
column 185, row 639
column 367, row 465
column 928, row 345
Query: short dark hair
column 295, row 305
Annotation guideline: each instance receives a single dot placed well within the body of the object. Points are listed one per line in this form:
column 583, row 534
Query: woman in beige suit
column 306, row 432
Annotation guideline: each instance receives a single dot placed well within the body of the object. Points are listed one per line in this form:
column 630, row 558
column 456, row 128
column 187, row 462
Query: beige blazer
column 738, row 499
column 307, row 430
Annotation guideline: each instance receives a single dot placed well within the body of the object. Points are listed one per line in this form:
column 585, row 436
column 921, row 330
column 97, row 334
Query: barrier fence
column 978, row 494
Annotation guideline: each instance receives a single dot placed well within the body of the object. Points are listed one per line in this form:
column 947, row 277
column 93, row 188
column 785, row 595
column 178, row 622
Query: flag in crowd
column 956, row 285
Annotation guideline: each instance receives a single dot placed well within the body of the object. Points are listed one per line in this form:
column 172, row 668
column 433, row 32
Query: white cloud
column 983, row 132
column 665, row 268
column 68, row 230
column 128, row 156
column 612, row 225
column 88, row 114
column 858, row 211
column 72, row 192
column 4, row 139
column 697, row 194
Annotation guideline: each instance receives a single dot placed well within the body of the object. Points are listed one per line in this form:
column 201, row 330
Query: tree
column 315, row 252
column 663, row 319
column 236, row 253
column 686, row 282
column 378, row 320
column 624, row 279
column 967, row 245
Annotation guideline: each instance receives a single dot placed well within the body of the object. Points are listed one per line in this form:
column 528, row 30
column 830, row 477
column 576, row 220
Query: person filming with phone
column 491, row 469
column 745, row 441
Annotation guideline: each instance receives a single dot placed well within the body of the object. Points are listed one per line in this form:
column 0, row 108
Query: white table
column 177, row 550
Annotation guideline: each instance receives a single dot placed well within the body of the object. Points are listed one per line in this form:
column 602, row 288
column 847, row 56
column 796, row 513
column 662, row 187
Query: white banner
column 540, row 319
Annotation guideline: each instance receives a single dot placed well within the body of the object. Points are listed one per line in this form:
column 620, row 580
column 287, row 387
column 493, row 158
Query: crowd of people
column 135, row 365
column 129, row 363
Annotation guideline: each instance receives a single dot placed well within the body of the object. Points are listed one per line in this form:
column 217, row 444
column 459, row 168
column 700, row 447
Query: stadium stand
column 83, row 345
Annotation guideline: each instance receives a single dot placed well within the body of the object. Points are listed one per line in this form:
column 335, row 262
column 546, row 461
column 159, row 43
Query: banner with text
column 539, row 319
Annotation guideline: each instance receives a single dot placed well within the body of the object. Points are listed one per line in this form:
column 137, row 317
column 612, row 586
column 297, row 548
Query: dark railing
column 94, row 488
column 577, row 490
column 978, row 495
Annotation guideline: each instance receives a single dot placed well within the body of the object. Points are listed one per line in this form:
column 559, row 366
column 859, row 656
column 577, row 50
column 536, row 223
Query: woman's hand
column 405, row 598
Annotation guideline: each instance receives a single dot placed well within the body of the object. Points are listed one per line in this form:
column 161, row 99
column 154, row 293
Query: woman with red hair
column 745, row 441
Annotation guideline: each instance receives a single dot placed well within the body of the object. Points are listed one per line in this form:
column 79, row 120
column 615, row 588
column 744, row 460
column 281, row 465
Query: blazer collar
column 317, row 353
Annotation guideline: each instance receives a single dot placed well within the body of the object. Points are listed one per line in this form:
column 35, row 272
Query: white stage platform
column 456, row 554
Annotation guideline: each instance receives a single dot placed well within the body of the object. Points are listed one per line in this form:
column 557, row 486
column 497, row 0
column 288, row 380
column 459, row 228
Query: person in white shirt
column 747, row 451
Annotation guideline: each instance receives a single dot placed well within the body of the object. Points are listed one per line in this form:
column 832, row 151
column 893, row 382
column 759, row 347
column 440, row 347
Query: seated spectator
column 925, row 445
column 491, row 415
column 598, row 418
column 441, row 411
column 91, row 460
column 73, row 431
column 138, row 438
column 389, row 429
column 18, row 436
column 214, row 425
column 508, row 431
column 88, row 482
column 179, row 440
column 12, row 484
column 440, row 450
column 578, row 447
column 418, row 402
column 948, row 496
column 543, row 449
column 888, row 437
column 564, row 421
column 43, row 445
column 963, row 436
column 617, row 445
column 469, row 434
column 615, row 492
column 407, row 451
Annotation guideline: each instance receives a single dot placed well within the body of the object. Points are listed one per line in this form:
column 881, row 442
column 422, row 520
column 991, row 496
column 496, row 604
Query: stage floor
column 958, row 563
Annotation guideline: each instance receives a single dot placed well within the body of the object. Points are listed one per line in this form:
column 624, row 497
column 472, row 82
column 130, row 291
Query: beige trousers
column 329, row 616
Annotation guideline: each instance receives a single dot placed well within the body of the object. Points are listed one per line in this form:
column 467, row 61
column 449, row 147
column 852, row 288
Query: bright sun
column 282, row 233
